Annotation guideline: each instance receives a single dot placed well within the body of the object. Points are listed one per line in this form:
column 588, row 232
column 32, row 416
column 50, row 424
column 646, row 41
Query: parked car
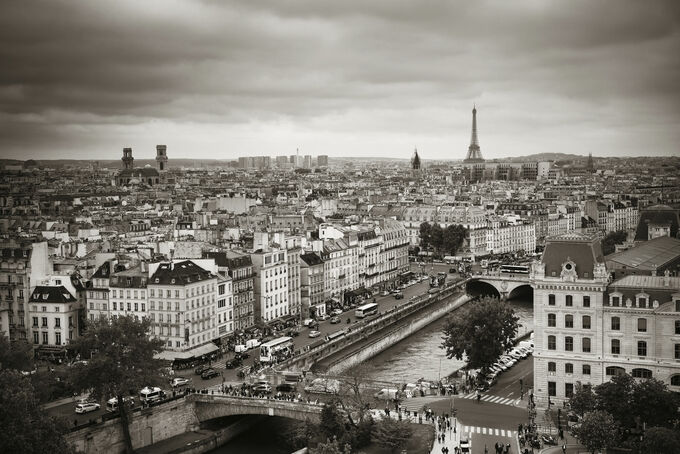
column 209, row 373
column 314, row 333
column 398, row 296
column 87, row 407
column 200, row 369
column 241, row 356
column 336, row 312
column 286, row 388
column 335, row 319
column 179, row 381
column 261, row 387
column 323, row 317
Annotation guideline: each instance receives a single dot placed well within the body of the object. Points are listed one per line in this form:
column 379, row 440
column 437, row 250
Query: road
column 385, row 303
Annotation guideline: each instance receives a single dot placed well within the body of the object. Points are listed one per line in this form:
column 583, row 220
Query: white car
column 179, row 381
column 87, row 407
column 314, row 333
column 464, row 446
column 336, row 312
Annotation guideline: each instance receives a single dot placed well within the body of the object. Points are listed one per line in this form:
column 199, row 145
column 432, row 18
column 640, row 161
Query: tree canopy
column 612, row 239
column 26, row 428
column 16, row 355
column 481, row 331
column 598, row 431
column 121, row 360
column 392, row 434
column 447, row 240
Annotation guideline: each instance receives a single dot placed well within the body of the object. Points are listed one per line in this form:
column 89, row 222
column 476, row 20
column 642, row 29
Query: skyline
column 223, row 80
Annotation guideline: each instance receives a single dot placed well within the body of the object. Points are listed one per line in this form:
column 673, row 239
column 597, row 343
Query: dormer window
column 172, row 281
column 157, row 280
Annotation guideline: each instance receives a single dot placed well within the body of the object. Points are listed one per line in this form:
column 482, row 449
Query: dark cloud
column 80, row 79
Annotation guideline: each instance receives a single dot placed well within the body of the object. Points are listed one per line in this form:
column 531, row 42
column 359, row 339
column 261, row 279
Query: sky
column 222, row 79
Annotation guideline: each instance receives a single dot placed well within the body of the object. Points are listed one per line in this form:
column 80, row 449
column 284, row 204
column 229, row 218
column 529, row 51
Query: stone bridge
column 179, row 415
column 209, row 406
column 504, row 284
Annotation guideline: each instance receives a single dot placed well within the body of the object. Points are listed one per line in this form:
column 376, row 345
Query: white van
column 386, row 394
column 240, row 348
column 252, row 343
column 148, row 395
column 112, row 403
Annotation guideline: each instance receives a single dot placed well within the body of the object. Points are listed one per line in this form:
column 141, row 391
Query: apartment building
column 270, row 268
column 183, row 305
column 22, row 266
column 312, row 287
column 394, row 249
column 239, row 267
column 294, row 297
column 127, row 294
column 225, row 306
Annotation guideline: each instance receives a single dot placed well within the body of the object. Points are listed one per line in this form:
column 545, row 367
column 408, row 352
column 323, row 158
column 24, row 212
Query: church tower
column 415, row 160
column 127, row 159
column 161, row 158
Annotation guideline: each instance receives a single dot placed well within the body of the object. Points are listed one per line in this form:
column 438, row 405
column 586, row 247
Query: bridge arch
column 207, row 407
column 521, row 290
column 476, row 287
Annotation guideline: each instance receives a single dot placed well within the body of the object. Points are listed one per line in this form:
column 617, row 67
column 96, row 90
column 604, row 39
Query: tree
column 121, row 360
column 583, row 400
column 16, row 355
column 481, row 331
column 355, row 397
column 612, row 239
column 453, row 238
column 436, row 236
column 615, row 397
column 332, row 424
column 26, row 428
column 598, row 431
column 654, row 403
column 425, row 235
column 660, row 440
column 331, row 447
column 392, row 434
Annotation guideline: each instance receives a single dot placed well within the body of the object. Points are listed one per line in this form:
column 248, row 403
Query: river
column 417, row 356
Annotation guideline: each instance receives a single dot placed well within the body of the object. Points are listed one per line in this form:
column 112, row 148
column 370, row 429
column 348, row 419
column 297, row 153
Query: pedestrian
column 564, row 448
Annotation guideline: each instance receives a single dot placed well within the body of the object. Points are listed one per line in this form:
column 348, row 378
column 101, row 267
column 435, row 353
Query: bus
column 366, row 309
column 269, row 351
column 335, row 335
column 515, row 269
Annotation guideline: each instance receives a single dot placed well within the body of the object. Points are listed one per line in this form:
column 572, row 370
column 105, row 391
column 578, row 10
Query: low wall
column 356, row 356
column 219, row 438
column 148, row 426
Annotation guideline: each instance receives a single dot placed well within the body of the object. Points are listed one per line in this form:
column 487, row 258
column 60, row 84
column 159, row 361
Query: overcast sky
column 222, row 79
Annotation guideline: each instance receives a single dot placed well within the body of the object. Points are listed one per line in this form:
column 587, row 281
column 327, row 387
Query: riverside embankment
column 370, row 337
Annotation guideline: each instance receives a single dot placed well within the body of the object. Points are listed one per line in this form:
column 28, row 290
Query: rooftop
column 648, row 282
column 585, row 251
column 649, row 255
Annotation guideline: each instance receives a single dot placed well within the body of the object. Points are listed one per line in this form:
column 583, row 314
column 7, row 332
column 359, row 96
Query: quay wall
column 385, row 340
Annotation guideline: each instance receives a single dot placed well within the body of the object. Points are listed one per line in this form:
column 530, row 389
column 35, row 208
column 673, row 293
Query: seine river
column 418, row 356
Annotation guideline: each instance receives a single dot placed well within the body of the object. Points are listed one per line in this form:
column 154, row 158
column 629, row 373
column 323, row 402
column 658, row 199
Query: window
column 552, row 320
column 614, row 370
column 641, row 373
column 552, row 388
column 45, row 339
column 642, row 302
column 152, row 293
column 44, row 321
column 129, row 306
column 568, row 389
column 677, row 305
column 57, row 324
column 551, row 300
column 616, row 347
column 586, row 369
column 585, row 344
column 115, row 306
column 675, row 380
column 616, row 323
column 586, row 301
column 569, row 343
column 568, row 321
column 642, row 325
column 642, row 348
column 585, row 322
column 35, row 321
column 616, row 301
column 568, row 368
column 36, row 338
column 677, row 351
column 552, row 367
column 57, row 338
column 677, row 327
column 569, row 300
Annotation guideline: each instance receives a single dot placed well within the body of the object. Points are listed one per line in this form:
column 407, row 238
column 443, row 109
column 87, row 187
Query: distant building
column 322, row 160
column 656, row 221
column 141, row 175
column 415, row 160
column 647, row 258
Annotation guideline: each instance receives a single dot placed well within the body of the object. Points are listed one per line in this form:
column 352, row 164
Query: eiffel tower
column 474, row 153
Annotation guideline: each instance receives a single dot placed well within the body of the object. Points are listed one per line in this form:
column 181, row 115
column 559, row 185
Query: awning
column 168, row 355
column 203, row 350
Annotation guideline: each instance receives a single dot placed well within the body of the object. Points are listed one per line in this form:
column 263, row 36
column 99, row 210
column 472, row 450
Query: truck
column 252, row 343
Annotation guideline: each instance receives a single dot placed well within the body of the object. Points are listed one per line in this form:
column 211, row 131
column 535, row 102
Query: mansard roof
column 584, row 251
